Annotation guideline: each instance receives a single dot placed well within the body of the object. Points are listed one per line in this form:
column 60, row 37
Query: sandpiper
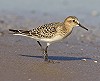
column 51, row 32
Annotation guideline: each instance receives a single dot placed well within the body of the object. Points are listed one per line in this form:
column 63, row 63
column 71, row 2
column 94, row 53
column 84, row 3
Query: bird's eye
column 73, row 20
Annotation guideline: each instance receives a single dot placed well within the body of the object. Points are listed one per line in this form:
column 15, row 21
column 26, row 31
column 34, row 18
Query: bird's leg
column 45, row 54
column 40, row 44
column 44, row 51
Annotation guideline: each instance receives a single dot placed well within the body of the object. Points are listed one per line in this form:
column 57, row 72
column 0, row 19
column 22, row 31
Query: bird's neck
column 68, row 27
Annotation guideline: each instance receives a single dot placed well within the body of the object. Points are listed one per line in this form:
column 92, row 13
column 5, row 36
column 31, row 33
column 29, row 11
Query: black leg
column 45, row 54
column 39, row 44
column 44, row 51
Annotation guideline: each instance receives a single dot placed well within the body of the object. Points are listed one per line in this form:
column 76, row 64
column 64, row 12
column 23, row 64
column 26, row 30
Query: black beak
column 82, row 26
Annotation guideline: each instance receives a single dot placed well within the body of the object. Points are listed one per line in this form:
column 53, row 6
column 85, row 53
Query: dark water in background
column 62, row 8
column 51, row 6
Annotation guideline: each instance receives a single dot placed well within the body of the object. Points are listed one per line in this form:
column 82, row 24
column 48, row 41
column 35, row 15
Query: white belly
column 53, row 39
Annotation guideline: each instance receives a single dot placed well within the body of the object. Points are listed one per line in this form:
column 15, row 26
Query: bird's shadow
column 62, row 58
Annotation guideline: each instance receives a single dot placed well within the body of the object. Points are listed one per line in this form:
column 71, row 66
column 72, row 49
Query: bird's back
column 50, row 32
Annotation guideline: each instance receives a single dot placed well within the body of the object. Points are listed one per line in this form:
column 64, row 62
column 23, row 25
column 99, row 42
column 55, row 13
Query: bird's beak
column 83, row 26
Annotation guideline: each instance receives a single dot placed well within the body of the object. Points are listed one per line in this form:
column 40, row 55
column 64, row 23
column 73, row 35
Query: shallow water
column 63, row 8
column 50, row 6
column 87, row 11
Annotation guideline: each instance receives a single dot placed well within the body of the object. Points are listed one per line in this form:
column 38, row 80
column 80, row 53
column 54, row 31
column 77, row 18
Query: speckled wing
column 45, row 31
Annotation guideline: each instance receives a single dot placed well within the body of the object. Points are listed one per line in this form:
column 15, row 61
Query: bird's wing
column 45, row 31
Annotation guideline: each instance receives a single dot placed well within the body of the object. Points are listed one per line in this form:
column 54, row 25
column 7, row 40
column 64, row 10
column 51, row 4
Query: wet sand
column 21, row 57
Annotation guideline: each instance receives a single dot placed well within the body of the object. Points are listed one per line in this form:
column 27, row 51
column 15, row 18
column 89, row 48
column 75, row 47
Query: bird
column 51, row 32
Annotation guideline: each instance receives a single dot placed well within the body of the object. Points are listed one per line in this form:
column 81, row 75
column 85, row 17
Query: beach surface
column 77, row 57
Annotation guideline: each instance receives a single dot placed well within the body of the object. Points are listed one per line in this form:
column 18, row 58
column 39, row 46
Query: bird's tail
column 20, row 32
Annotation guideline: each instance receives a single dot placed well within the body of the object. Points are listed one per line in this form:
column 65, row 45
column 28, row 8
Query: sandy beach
column 21, row 59
column 77, row 57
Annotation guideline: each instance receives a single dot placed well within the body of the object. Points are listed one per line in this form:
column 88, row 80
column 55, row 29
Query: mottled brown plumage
column 51, row 32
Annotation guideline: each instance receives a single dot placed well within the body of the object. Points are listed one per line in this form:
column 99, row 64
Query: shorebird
column 51, row 32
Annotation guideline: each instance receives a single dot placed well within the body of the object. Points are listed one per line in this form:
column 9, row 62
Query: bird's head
column 72, row 22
